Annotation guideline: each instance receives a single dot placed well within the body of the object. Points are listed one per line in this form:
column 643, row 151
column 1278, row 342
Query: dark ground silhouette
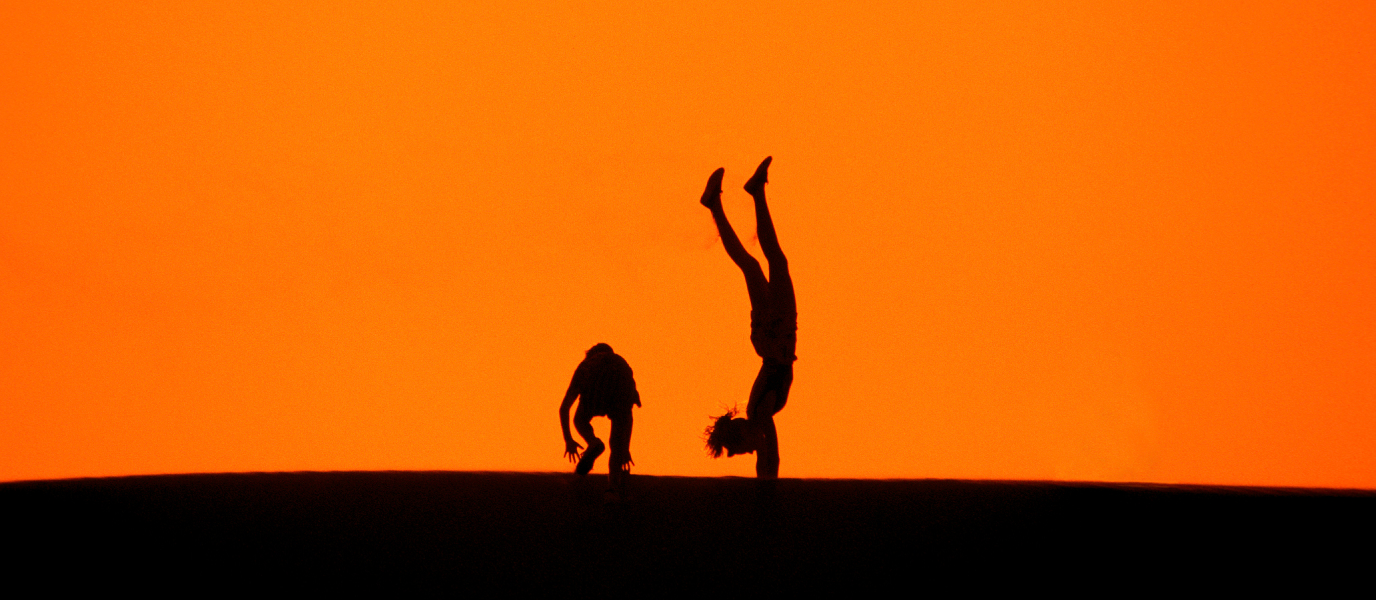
column 465, row 531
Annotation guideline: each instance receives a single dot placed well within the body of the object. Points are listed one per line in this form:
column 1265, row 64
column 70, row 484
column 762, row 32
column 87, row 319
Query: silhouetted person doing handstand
column 773, row 331
column 606, row 388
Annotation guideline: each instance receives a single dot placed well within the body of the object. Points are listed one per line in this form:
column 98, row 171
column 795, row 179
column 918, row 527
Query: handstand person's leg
column 780, row 283
column 755, row 283
column 583, row 423
column 764, row 225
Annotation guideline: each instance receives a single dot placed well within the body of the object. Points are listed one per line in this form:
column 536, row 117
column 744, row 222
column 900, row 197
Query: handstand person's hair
column 723, row 434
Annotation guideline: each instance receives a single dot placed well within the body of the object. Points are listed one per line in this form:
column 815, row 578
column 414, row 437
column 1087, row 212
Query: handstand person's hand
column 573, row 450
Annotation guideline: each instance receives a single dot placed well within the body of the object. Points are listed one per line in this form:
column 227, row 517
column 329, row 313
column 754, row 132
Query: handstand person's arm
column 761, row 417
column 767, row 457
column 572, row 449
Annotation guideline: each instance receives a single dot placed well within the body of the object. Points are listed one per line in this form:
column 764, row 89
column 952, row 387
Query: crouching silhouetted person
column 606, row 388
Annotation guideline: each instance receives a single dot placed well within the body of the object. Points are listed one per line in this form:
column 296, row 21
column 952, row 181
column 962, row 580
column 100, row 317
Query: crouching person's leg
column 620, row 468
column 584, row 426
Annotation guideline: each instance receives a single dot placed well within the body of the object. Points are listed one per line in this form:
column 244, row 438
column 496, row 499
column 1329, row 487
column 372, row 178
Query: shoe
column 756, row 184
column 589, row 456
column 711, row 197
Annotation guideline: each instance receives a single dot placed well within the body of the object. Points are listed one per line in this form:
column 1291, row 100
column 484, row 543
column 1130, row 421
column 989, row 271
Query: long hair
column 724, row 433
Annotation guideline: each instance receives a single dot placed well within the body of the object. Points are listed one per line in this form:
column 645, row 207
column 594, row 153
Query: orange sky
column 1029, row 239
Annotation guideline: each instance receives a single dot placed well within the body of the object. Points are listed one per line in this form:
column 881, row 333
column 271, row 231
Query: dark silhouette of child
column 607, row 389
column 773, row 331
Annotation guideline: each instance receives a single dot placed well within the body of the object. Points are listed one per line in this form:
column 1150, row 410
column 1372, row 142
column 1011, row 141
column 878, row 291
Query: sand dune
column 466, row 530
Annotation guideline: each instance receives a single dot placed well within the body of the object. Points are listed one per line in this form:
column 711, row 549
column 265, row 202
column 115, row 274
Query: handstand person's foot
column 595, row 448
column 756, row 184
column 711, row 197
